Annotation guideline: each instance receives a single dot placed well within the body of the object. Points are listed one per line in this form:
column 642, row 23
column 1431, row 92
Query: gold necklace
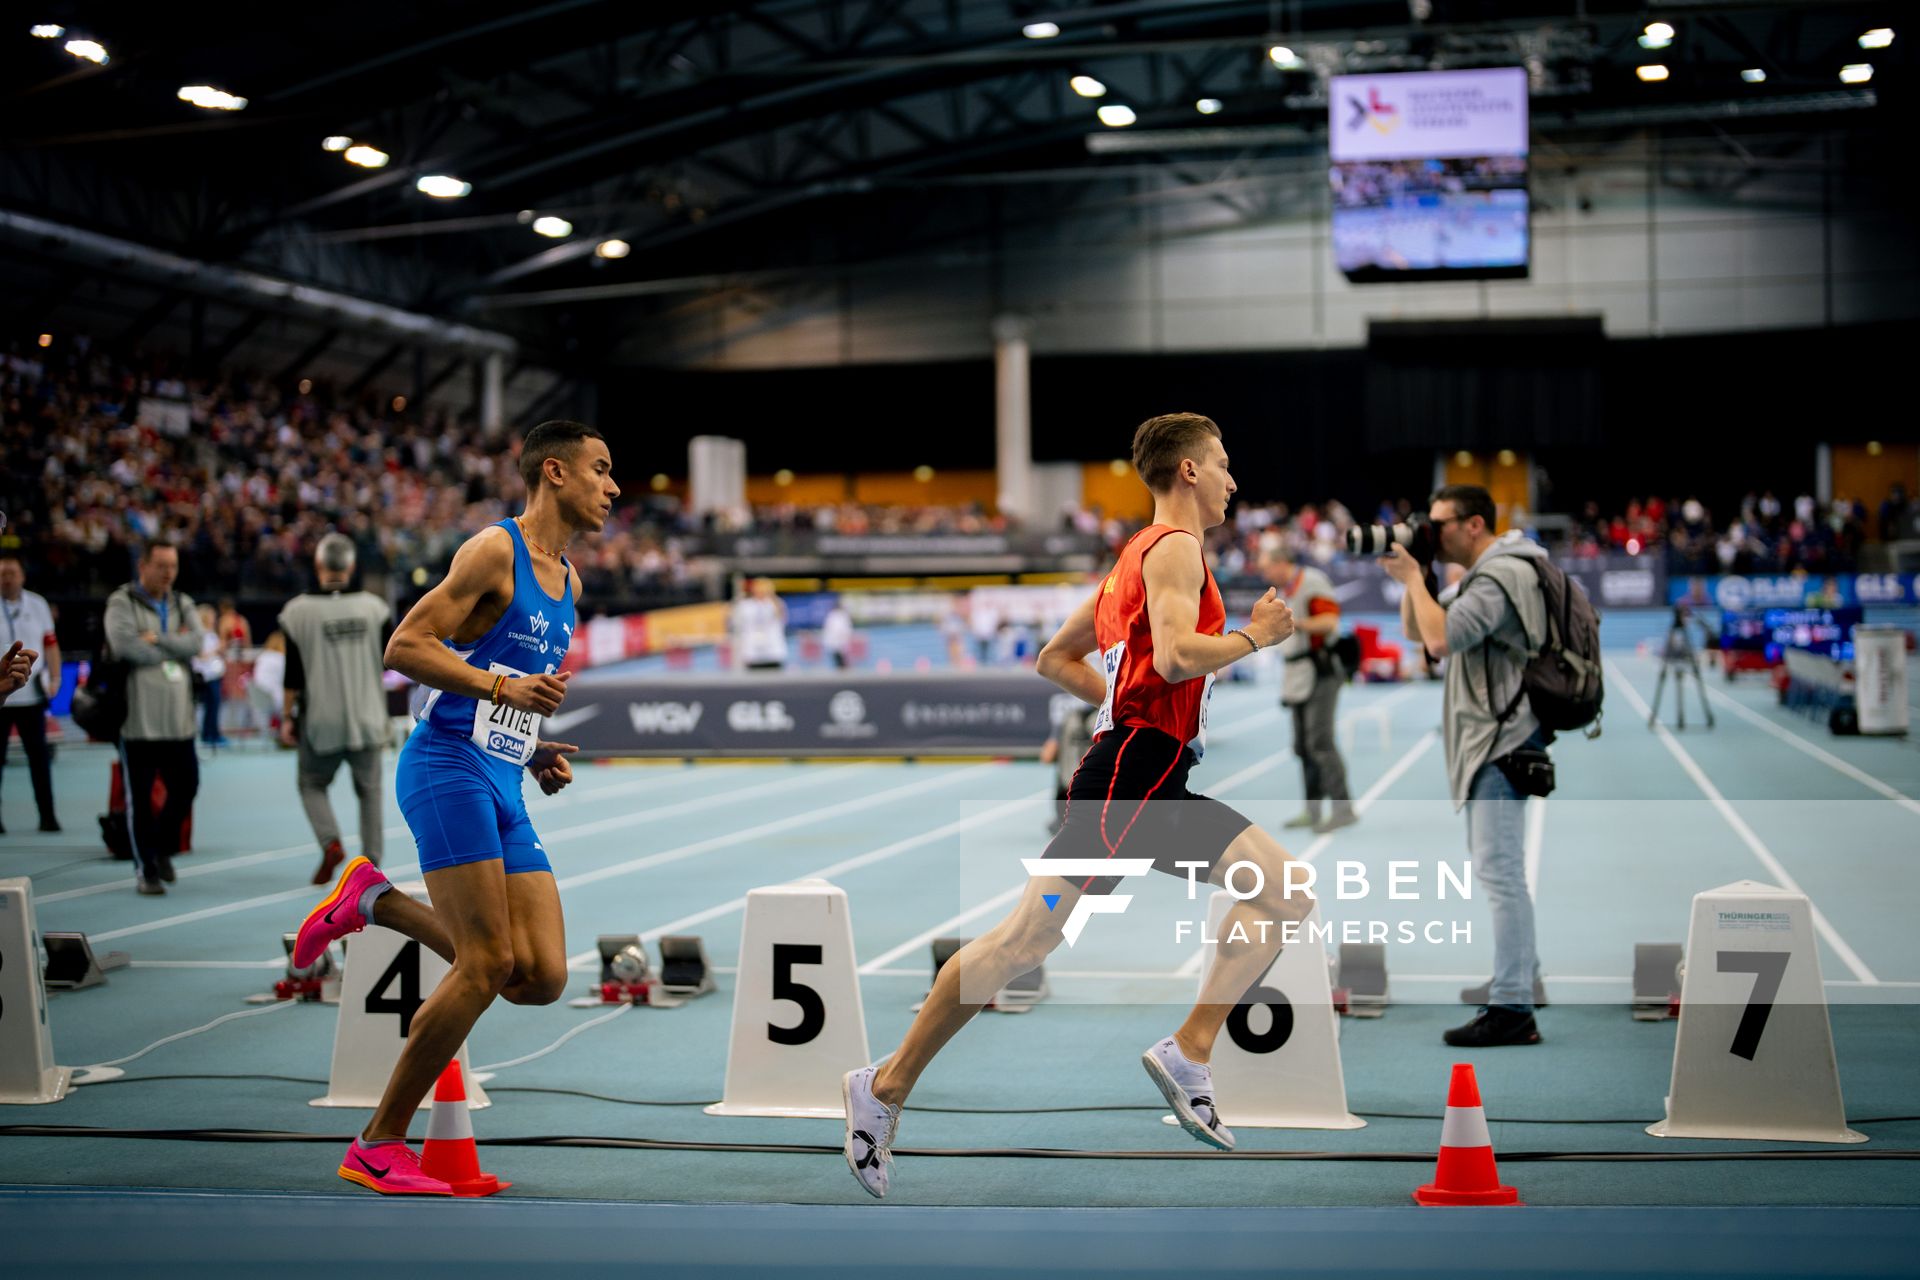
column 530, row 542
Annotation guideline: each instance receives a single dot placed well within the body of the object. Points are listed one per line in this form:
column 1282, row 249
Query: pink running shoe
column 338, row 914
column 392, row 1169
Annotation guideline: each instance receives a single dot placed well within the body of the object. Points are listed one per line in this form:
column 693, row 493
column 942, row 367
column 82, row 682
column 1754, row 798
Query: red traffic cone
column 1466, row 1173
column 449, row 1153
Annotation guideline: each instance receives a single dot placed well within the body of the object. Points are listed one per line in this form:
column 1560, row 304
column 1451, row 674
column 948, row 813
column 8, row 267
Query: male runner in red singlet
column 1156, row 621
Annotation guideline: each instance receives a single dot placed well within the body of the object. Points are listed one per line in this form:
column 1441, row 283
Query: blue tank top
column 531, row 638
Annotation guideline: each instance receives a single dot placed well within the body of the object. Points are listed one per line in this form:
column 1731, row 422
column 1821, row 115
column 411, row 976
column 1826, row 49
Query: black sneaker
column 1481, row 993
column 166, row 870
column 149, row 888
column 51, row 825
column 1492, row 1027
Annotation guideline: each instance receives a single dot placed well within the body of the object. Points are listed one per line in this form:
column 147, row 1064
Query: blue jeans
column 1496, row 837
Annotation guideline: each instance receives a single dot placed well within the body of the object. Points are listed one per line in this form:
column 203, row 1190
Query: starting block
column 318, row 983
column 1656, row 981
column 71, row 964
column 628, row 977
column 1018, row 996
column 685, row 970
column 1360, row 987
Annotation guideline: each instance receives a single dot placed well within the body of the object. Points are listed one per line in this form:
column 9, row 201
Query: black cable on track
column 265, row 1136
column 947, row 1111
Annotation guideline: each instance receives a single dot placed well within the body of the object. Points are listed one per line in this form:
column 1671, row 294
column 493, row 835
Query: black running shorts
column 1129, row 799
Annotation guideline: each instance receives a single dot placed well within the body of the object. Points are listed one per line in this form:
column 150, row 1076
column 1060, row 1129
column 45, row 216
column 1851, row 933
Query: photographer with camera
column 1488, row 628
column 1310, row 683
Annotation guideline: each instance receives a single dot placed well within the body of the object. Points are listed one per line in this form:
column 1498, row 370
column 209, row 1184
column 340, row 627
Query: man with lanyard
column 1310, row 684
column 334, row 641
column 155, row 630
column 30, row 624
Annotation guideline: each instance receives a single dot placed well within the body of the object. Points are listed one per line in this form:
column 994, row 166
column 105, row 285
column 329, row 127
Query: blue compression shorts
column 463, row 807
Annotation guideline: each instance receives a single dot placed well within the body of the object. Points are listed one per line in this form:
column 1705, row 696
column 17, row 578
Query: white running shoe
column 871, row 1125
column 1188, row 1089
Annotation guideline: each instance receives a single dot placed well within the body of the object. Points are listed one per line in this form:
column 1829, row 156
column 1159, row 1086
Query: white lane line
column 942, row 930
column 396, row 873
column 1278, row 758
column 1825, row 757
column 352, row 843
column 1197, row 961
column 1821, row 924
column 1536, row 838
column 832, row 869
column 799, row 778
column 803, row 818
column 1157, row 975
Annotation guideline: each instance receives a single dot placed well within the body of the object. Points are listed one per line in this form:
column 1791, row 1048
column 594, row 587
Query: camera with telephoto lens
column 1415, row 534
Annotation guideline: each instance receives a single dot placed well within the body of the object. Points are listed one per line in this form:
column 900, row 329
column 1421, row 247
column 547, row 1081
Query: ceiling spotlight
column 1652, row 73
column 336, row 142
column 552, row 227
column 88, row 51
column 1208, row 106
column 1658, row 35
column 210, row 98
column 1754, row 75
column 367, row 157
column 1116, row 116
column 1856, row 73
column 1878, row 38
column 1087, row 87
column 1283, row 56
column 613, row 249
column 441, row 186
column 1040, row 30
column 48, row 31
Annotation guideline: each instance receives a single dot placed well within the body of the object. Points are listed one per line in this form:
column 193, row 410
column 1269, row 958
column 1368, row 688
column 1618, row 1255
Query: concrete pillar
column 1013, row 416
column 1823, row 474
column 493, row 392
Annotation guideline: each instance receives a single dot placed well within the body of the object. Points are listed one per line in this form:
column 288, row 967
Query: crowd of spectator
column 100, row 458
column 1767, row 535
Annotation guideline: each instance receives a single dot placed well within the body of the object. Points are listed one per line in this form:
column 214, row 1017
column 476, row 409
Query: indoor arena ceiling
column 722, row 142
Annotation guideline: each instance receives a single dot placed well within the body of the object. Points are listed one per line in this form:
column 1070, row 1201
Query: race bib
column 1110, row 668
column 504, row 732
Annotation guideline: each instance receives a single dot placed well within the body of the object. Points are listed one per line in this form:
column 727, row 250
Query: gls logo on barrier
column 1088, row 904
column 664, row 717
column 759, row 717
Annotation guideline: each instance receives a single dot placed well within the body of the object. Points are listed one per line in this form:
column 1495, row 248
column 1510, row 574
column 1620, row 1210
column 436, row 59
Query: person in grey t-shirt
column 335, row 642
column 1486, row 628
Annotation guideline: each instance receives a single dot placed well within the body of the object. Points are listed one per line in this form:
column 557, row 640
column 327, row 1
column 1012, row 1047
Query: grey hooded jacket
column 1487, row 635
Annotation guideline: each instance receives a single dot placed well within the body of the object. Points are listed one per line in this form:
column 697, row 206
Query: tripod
column 1679, row 660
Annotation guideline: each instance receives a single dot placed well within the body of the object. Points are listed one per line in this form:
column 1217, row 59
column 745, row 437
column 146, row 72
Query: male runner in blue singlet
column 486, row 646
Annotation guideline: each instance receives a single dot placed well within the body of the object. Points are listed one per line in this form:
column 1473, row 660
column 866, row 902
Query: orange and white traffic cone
column 1466, row 1172
column 449, row 1153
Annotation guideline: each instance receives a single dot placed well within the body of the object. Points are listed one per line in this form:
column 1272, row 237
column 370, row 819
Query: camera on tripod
column 1415, row 533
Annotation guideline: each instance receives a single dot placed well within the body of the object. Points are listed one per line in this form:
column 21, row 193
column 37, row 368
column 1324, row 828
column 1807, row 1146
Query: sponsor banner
column 806, row 714
column 635, row 635
column 1428, row 114
column 1739, row 592
column 1362, row 586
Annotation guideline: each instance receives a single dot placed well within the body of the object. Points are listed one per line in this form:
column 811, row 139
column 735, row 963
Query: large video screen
column 1429, row 174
